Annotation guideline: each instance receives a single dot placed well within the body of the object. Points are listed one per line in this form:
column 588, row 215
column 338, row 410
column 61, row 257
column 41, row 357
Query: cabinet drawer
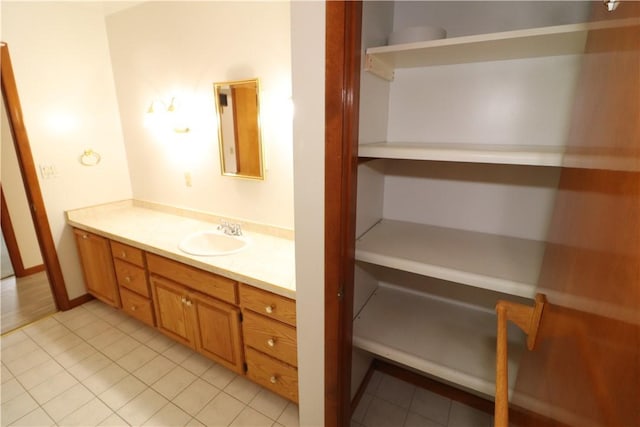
column 127, row 253
column 136, row 306
column 268, row 304
column 272, row 374
column 208, row 283
column 271, row 337
column 131, row 277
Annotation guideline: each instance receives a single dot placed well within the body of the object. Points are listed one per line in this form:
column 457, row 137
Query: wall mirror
column 238, row 110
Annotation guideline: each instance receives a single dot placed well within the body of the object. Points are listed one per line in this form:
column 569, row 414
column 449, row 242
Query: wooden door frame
column 342, row 96
column 31, row 185
column 12, row 242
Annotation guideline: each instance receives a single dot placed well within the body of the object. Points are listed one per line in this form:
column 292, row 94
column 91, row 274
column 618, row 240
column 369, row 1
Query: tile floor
column 390, row 402
column 94, row 366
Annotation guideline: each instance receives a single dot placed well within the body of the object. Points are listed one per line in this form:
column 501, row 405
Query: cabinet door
column 97, row 267
column 218, row 333
column 172, row 314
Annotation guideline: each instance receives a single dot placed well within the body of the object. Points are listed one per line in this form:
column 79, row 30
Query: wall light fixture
column 162, row 114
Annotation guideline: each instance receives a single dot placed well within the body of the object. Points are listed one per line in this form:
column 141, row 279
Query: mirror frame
column 216, row 94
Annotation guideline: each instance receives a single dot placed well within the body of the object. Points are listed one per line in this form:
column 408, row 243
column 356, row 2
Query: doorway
column 50, row 275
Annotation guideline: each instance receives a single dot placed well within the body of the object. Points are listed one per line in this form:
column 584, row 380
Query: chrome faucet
column 230, row 228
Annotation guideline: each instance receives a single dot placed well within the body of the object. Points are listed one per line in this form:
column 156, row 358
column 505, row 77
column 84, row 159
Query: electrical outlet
column 187, row 179
column 48, row 171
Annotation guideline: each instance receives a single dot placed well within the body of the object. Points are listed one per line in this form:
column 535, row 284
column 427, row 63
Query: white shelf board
column 448, row 341
column 527, row 43
column 499, row 263
column 539, row 155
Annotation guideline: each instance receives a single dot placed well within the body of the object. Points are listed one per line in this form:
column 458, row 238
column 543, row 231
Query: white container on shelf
column 417, row 34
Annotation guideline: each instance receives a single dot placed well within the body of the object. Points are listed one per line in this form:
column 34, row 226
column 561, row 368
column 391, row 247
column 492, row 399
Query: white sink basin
column 211, row 243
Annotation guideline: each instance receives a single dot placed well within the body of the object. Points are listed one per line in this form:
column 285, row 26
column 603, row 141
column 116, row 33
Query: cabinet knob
column 127, row 279
column 133, row 308
column 273, row 379
column 189, row 303
column 269, row 309
column 271, row 342
column 123, row 254
column 85, row 236
column 184, row 300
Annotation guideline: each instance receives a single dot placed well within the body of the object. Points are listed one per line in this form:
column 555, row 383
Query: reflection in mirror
column 238, row 109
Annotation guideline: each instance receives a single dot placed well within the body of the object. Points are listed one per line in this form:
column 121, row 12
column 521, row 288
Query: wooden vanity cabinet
column 269, row 330
column 131, row 275
column 97, row 267
column 199, row 318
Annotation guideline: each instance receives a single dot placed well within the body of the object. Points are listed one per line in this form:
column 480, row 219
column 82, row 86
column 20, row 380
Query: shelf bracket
column 526, row 318
column 379, row 68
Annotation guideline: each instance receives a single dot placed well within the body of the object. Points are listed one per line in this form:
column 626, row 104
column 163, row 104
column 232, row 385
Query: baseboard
column 29, row 271
column 79, row 301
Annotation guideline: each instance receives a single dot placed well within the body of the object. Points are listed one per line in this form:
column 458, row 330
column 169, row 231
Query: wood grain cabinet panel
column 132, row 277
column 218, row 331
column 268, row 304
column 171, row 316
column 127, row 253
column 97, row 267
column 272, row 374
column 137, row 306
column 202, row 281
column 271, row 337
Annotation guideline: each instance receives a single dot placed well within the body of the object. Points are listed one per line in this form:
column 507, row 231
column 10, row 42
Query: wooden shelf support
column 526, row 318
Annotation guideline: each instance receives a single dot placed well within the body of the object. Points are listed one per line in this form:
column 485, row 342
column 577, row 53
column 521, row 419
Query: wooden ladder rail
column 526, row 318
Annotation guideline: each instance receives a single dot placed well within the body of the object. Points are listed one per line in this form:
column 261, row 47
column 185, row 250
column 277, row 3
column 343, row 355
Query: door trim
column 30, row 180
column 342, row 96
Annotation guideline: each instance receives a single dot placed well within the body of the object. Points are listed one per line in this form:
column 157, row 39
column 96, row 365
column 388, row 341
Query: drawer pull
column 123, row 254
column 189, row 303
column 127, row 279
column 269, row 309
column 273, row 379
column 133, row 308
column 184, row 300
column 271, row 342
column 85, row 236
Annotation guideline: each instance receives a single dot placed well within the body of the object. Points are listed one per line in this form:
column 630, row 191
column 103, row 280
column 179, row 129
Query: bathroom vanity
column 238, row 309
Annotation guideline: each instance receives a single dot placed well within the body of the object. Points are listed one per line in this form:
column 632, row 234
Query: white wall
column 165, row 49
column 61, row 62
column 16, row 198
column 307, row 36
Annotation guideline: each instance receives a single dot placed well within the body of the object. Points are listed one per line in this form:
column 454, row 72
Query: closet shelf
column 527, row 43
column 499, row 263
column 448, row 341
column 536, row 155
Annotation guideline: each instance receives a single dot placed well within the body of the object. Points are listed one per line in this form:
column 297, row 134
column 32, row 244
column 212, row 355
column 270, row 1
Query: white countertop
column 268, row 262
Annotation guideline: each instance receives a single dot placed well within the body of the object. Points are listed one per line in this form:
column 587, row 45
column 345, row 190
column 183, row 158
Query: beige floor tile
column 90, row 414
column 431, row 405
column 242, row 389
column 63, row 343
column 93, row 329
column 169, row 416
column 89, row 366
column 51, row 388
column 290, row 416
column 105, row 378
column 10, row 390
column 220, row 411
column 155, row 369
column 36, row 418
column 16, row 349
column 5, row 374
column 465, row 416
column 122, row 392
column 218, row 376
column 269, row 404
column 12, row 339
column 75, row 355
column 384, row 414
column 249, row 417
column 361, row 409
column 67, row 402
column 178, row 353
column 415, row 420
column 27, row 361
column 193, row 398
column 175, row 381
column 197, row 364
column 16, row 408
column 121, row 347
column 395, row 391
column 135, row 359
column 113, row 420
column 106, row 338
column 142, row 407
column 160, row 343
